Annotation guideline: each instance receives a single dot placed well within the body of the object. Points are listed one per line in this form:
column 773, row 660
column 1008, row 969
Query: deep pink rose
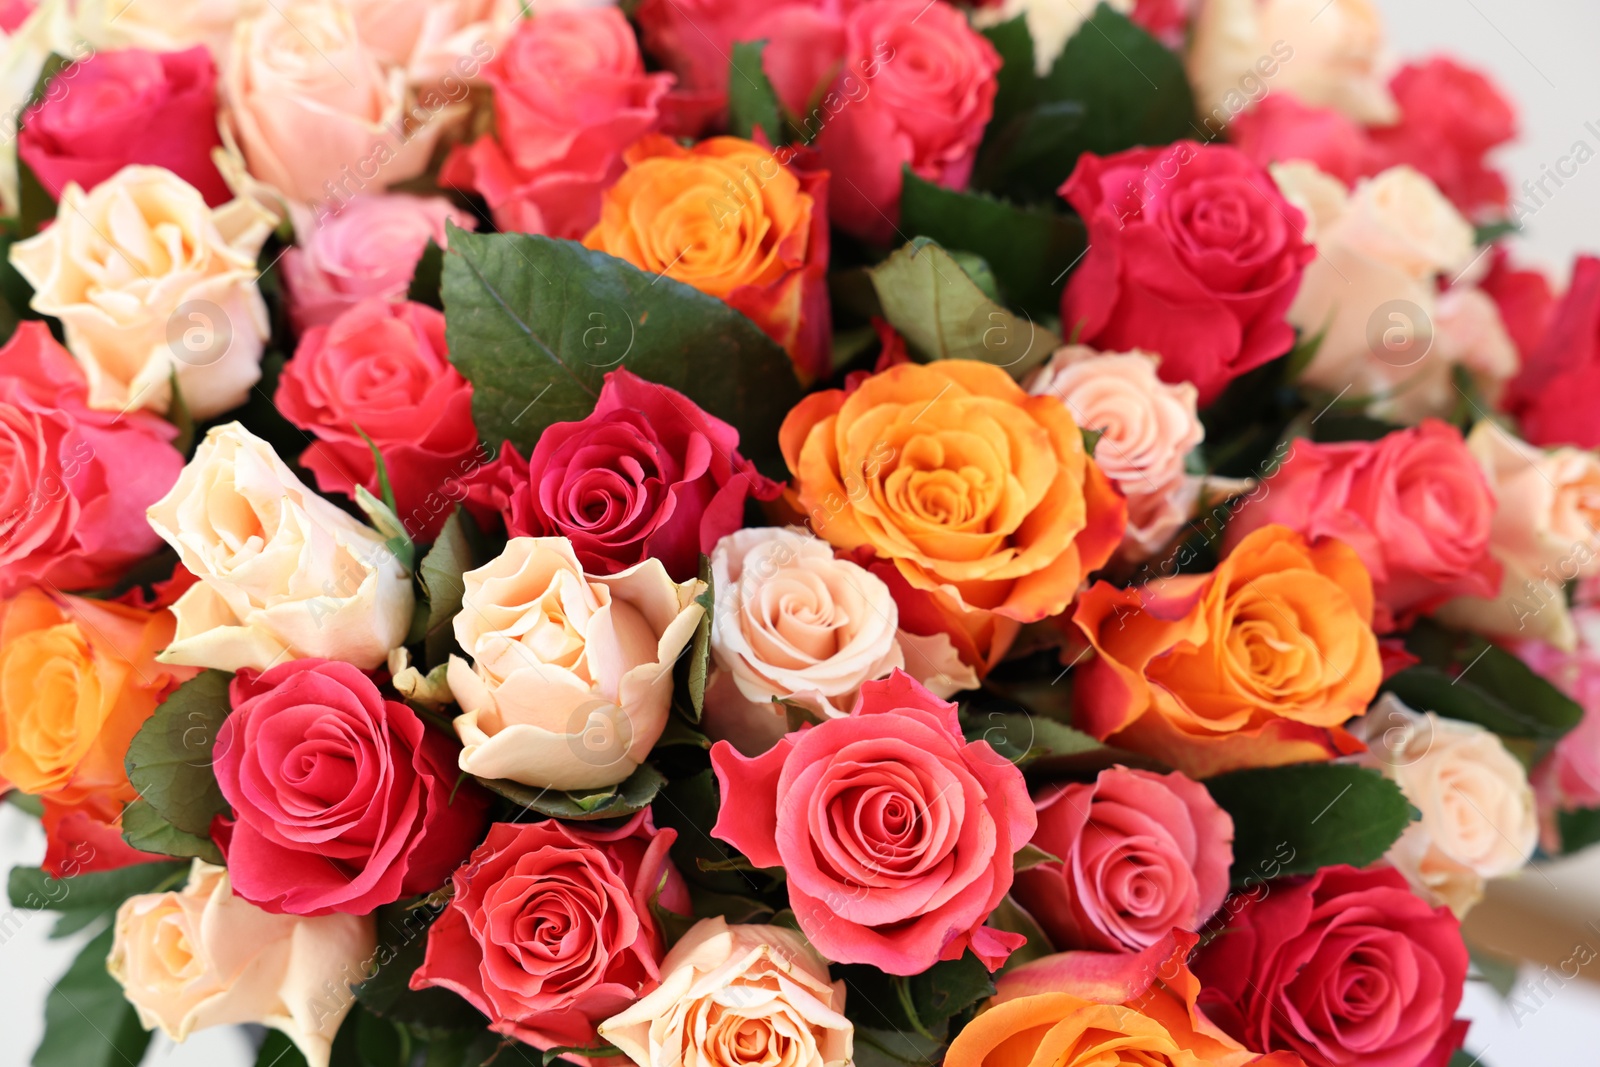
column 1414, row 505
column 1141, row 854
column 895, row 832
column 1525, row 298
column 74, row 482
column 383, row 367
column 1164, row 19
column 1346, row 967
column 917, row 90
column 647, row 474
column 1450, row 118
column 1281, row 128
column 1556, row 397
column 368, row 249
column 570, row 93
column 1193, row 255
column 342, row 800
column 13, row 13
column 550, row 931
column 126, row 107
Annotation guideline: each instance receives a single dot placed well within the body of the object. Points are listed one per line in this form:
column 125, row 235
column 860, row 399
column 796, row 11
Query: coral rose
column 973, row 489
column 731, row 219
column 895, row 832
column 1258, row 663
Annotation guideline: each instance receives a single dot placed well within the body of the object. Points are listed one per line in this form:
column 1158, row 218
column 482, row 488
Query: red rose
column 126, row 107
column 647, row 474
column 85, row 837
column 917, row 90
column 1281, row 128
column 74, row 481
column 1525, row 298
column 1554, row 396
column 1193, row 255
column 551, row 932
column 342, row 800
column 383, row 368
column 1345, row 967
column 570, row 93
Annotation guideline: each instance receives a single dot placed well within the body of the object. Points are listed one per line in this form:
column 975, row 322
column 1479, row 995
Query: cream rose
column 432, row 40
column 731, row 996
column 571, row 676
column 283, row 573
column 168, row 26
column 202, row 957
column 794, row 624
column 1051, row 23
column 47, row 29
column 1478, row 815
column 149, row 281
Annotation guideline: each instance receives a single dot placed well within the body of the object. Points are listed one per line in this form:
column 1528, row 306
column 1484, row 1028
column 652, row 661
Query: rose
column 730, row 995
column 23, row 54
column 570, row 94
column 647, row 475
column 1549, row 397
column 571, row 677
column 432, row 39
column 1344, row 967
column 129, row 107
column 134, row 313
column 1141, row 854
column 1525, row 298
column 1450, row 117
column 975, row 490
column 1258, row 663
column 1193, row 256
column 795, row 626
column 918, row 89
column 368, row 249
column 77, row 680
column 177, row 25
column 896, row 833
column 1471, row 335
column 201, row 957
column 760, row 243
column 381, row 373
column 1568, row 778
column 1051, row 23
column 1414, row 506
column 551, row 929
column 282, row 571
column 86, row 836
column 1284, row 128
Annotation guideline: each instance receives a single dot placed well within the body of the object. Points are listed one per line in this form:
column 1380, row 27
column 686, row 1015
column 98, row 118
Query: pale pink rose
column 1569, row 777
column 1472, row 334
column 435, row 40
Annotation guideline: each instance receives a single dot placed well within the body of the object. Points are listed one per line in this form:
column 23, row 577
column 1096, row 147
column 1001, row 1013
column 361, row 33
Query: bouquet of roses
column 779, row 533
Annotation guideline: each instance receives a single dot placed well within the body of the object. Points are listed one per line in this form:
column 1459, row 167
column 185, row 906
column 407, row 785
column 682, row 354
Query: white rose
column 202, row 957
column 571, row 677
column 1051, row 23
column 149, row 281
column 283, row 573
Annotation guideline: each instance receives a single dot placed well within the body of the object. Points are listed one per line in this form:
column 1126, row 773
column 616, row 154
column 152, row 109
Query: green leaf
column 633, row 794
column 895, row 1048
column 178, row 415
column 922, row 1003
column 402, row 931
column 85, row 898
column 1579, row 829
column 690, row 806
column 1463, row 1058
column 1499, row 973
column 1487, row 233
column 943, row 314
column 169, row 759
column 145, row 829
column 1017, row 87
column 1023, row 158
column 752, row 101
column 700, row 646
column 87, row 1021
column 535, row 323
column 426, row 276
column 1025, row 739
column 1031, row 856
column 456, row 551
column 278, row 1051
column 679, row 732
column 1299, row 818
column 594, row 1051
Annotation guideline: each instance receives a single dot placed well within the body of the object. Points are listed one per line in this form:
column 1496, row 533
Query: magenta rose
column 342, row 800
column 384, row 368
column 551, row 930
column 1451, row 117
column 1141, row 854
column 74, row 481
column 895, row 832
column 646, row 475
column 1281, row 128
column 917, row 90
column 1193, row 255
column 127, row 107
column 1346, row 967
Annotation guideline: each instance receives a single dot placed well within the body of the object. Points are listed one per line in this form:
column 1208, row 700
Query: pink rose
column 1569, row 777
column 1164, row 19
column 1525, row 297
column 1282, row 129
column 551, row 931
column 1554, row 397
column 647, row 474
column 128, row 107
column 1141, row 854
column 896, row 833
column 369, row 248
column 342, row 800
column 917, row 90
column 570, row 93
column 1450, row 118
column 1414, row 505
column 74, row 480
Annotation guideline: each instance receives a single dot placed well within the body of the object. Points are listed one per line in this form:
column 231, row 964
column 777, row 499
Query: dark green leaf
column 633, row 794
column 35, row 206
column 1032, row 856
column 455, row 552
column 178, row 415
column 1017, row 86
column 895, row 1048
column 752, row 101
column 1579, row 829
column 145, row 829
column 1025, row 739
column 1463, row 1058
column 169, row 759
column 1498, row 972
column 922, row 1003
column 1024, row 157
column 700, row 647
column 85, row 898
column 278, row 1051
column 690, row 806
column 1487, row 233
column 402, row 943
column 679, row 732
column 87, row 1021
column 425, row 278
column 595, row 1051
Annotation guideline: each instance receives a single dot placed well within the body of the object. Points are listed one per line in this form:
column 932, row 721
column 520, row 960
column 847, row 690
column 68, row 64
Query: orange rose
column 1256, row 664
column 974, row 489
column 728, row 218
column 77, row 679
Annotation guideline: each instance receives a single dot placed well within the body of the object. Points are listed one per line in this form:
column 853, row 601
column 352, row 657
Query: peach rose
column 571, row 676
column 731, row 219
column 1258, row 663
column 735, row 995
column 433, row 39
column 201, row 957
column 148, row 281
column 77, row 679
column 974, row 489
